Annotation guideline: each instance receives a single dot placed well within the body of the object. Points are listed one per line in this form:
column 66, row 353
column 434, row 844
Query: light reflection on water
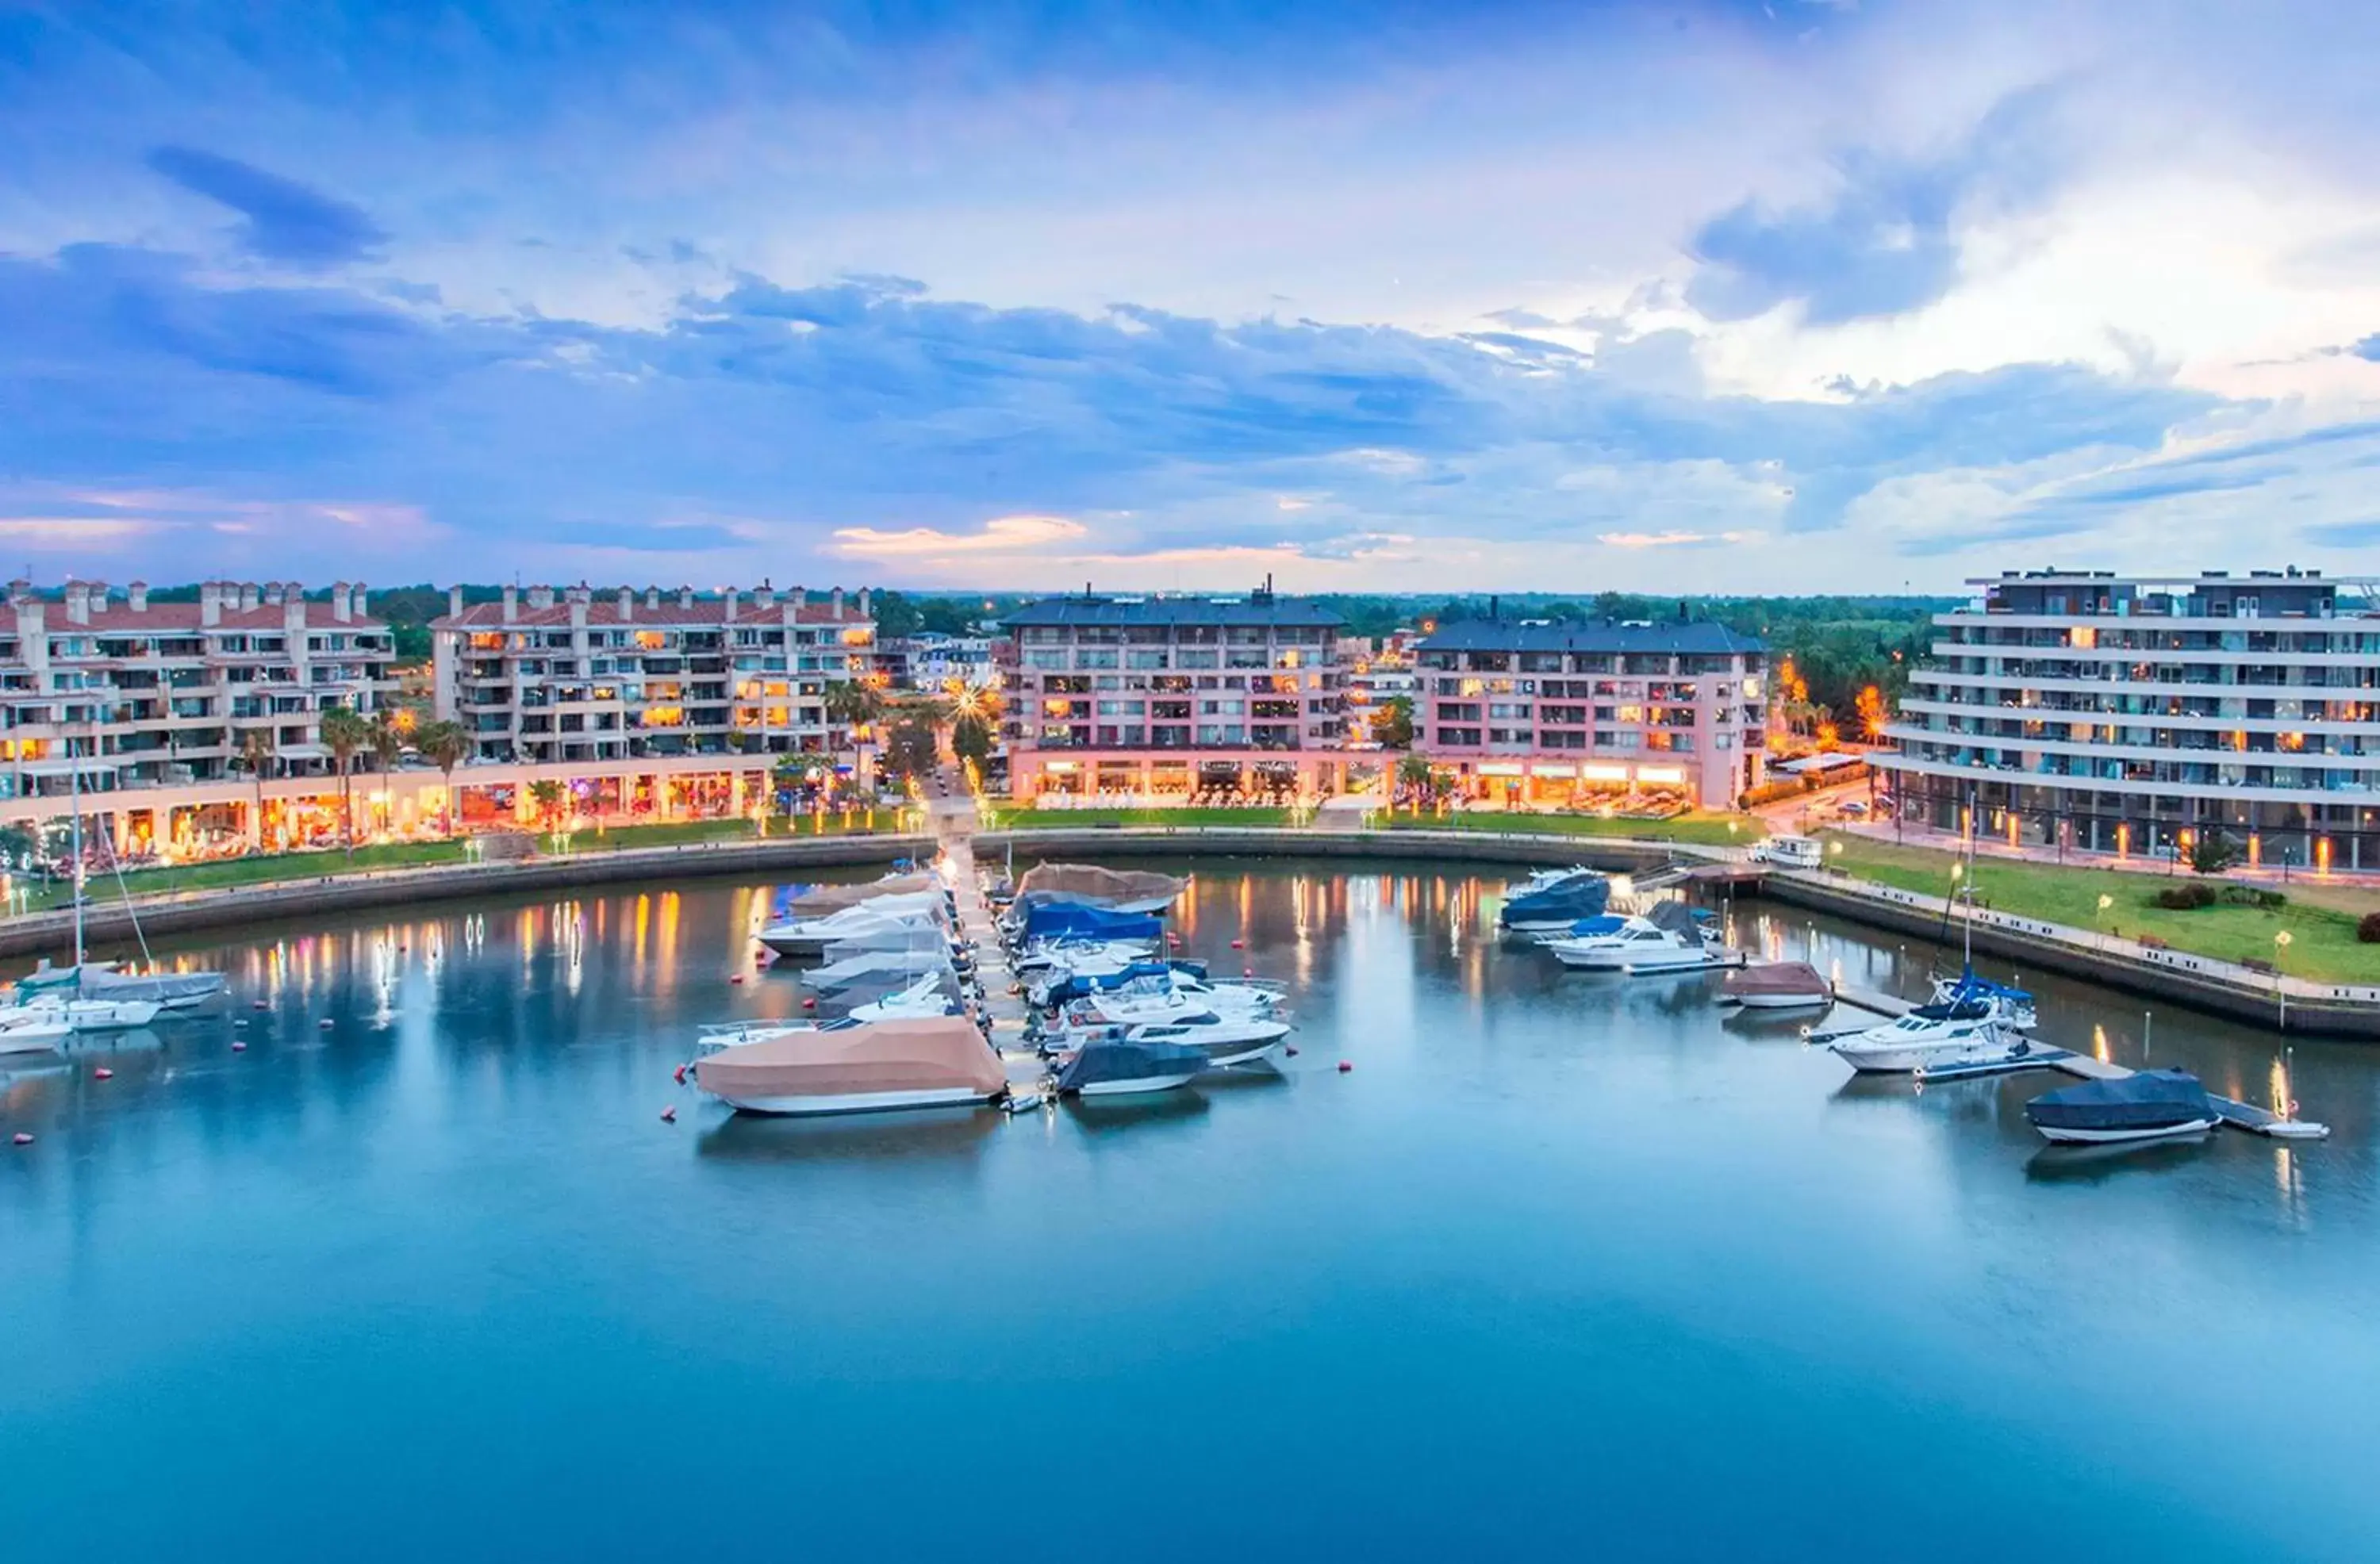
column 1572, row 1240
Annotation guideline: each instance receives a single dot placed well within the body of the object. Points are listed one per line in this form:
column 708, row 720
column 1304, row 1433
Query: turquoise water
column 1567, row 1265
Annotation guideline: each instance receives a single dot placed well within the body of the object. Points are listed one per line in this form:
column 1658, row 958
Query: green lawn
column 1061, row 819
column 1702, row 827
column 2323, row 944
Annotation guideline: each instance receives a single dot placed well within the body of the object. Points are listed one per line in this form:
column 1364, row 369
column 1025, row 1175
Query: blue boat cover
column 2145, row 1101
column 1077, row 985
column 1078, row 920
column 1580, row 895
column 1974, row 987
column 1098, row 1064
column 1602, row 922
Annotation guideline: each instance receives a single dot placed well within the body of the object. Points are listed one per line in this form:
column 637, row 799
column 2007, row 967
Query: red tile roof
column 122, row 618
column 604, row 611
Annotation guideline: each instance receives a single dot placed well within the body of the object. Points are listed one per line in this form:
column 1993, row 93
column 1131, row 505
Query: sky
column 1707, row 296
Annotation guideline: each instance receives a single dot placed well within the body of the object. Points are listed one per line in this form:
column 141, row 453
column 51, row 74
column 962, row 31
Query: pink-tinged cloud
column 1001, row 535
column 1670, row 540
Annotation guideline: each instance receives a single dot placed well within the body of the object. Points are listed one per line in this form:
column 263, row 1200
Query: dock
column 953, row 821
column 2238, row 1115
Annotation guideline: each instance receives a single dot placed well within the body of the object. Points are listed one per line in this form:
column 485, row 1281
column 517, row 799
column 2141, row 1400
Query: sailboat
column 56, row 1002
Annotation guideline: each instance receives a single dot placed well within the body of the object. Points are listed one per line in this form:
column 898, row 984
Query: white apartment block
column 150, row 699
column 2102, row 712
column 571, row 675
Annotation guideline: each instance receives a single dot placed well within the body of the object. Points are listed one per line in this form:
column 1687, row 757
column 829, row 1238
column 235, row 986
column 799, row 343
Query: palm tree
column 387, row 739
column 255, row 754
column 1416, row 771
column 445, row 744
column 854, row 704
column 547, row 796
column 345, row 732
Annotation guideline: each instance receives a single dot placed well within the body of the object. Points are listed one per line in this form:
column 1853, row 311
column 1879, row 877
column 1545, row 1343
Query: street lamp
column 2106, row 902
column 2280, row 947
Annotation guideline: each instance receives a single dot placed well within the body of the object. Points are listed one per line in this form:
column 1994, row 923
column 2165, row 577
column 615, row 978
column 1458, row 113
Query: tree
column 854, row 704
column 971, row 738
column 1392, row 724
column 2210, row 851
column 255, row 754
column 910, row 749
column 1870, row 706
column 345, row 732
column 547, row 796
column 1417, row 776
column 388, row 731
column 445, row 744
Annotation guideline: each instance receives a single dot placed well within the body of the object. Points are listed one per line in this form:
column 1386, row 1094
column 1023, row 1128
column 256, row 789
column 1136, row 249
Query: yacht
column 928, row 1062
column 1669, row 939
column 860, row 926
column 1930, row 1037
column 1117, row 1069
column 1225, row 1040
column 2012, row 1008
column 39, row 1022
column 925, row 997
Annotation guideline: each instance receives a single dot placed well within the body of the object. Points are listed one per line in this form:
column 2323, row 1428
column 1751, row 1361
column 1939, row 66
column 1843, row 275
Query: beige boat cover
column 928, row 1053
column 834, row 898
column 1777, row 977
column 1100, row 884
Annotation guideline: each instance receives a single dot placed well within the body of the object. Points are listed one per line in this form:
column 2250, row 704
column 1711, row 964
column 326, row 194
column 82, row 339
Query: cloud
column 1669, row 539
column 286, row 222
column 1886, row 241
column 1007, row 534
column 70, row 532
column 2368, row 348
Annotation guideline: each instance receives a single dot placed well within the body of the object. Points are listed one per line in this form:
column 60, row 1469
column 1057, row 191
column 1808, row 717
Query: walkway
column 950, row 815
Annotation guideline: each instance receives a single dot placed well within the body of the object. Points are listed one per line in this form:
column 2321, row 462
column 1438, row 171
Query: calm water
column 1567, row 1265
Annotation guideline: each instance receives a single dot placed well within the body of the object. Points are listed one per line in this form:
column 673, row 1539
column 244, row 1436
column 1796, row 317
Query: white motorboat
column 926, row 956
column 2012, row 1008
column 886, row 936
column 1123, row 1069
column 926, row 1061
column 808, row 936
column 1147, row 1001
column 1922, row 1041
column 1226, row 1040
column 1088, row 957
column 1671, row 939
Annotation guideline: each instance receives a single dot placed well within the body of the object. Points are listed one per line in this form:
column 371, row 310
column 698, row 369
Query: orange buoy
column 808, row 1003
column 669, row 1115
column 103, row 1073
column 681, row 1074
column 736, row 977
column 23, row 1139
column 1248, row 972
column 1239, row 944
column 1346, row 1065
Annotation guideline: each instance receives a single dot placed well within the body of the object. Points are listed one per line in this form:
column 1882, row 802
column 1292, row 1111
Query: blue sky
column 1691, row 297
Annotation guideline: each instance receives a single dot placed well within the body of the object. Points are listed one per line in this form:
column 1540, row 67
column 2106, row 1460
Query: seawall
column 107, row 922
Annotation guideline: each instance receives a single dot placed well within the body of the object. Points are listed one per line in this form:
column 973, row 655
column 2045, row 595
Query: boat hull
column 2061, row 1134
column 1137, row 1088
column 805, row 1105
column 1913, row 1057
column 1785, row 1002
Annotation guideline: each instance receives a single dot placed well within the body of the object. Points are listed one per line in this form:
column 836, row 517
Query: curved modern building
column 2127, row 714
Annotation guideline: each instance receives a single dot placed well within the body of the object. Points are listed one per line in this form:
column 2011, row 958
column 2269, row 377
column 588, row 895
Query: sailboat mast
column 74, row 792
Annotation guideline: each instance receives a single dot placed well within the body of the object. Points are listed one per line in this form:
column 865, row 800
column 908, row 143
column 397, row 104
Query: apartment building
column 2094, row 711
column 562, row 676
column 1542, row 711
column 931, row 660
column 143, row 697
column 1375, row 676
column 1168, row 698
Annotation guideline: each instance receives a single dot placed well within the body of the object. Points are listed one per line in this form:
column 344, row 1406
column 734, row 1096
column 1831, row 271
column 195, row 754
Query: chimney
column 863, row 602
column 799, row 598
column 274, row 597
column 838, row 602
column 578, row 597
column 764, row 595
column 453, row 603
column 77, row 603
column 685, row 598
column 540, row 598
column 137, row 596
column 339, row 602
column 98, row 599
column 357, row 602
column 735, row 604
column 293, row 613
column 210, row 602
column 512, row 604
column 628, row 605
column 652, row 599
column 249, row 598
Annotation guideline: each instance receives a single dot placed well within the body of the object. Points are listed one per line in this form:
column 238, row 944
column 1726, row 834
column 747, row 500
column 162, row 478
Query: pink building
column 1168, row 698
column 1547, row 711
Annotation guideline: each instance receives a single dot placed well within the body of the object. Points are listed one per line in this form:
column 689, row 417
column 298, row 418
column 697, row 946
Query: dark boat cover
column 1077, row 985
column 1675, row 917
column 1077, row 920
column 2146, row 1101
column 1583, row 895
column 1098, row 1063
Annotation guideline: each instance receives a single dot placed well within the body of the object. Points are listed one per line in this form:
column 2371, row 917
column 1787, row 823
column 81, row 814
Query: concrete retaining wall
column 1613, row 855
column 106, row 922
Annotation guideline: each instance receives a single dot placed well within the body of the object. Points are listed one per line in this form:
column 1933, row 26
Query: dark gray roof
column 1685, row 637
column 1171, row 611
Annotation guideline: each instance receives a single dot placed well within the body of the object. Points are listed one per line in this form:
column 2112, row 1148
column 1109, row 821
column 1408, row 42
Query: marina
column 439, row 1156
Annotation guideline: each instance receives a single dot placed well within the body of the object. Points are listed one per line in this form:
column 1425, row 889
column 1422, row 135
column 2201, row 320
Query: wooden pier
column 2238, row 1115
column 953, row 821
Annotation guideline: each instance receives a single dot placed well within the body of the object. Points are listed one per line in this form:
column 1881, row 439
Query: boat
column 1226, row 1040
column 1143, row 1002
column 818, row 901
column 926, row 956
column 1669, row 939
column 1079, row 920
column 1124, row 1068
column 928, row 1062
column 1557, row 905
column 922, row 913
column 1790, row 852
column 1930, row 1037
column 107, row 980
column 56, row 1016
column 2147, row 1105
column 1061, row 956
column 1784, row 985
column 1540, row 880
column 1125, row 890
column 925, row 997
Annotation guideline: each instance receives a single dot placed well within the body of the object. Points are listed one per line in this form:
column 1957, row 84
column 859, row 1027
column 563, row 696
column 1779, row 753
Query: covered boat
column 1785, row 985
column 1077, row 920
column 1115, row 1069
column 105, row 980
column 1126, row 891
column 2150, row 1105
column 929, row 1062
column 820, row 900
column 1556, row 905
